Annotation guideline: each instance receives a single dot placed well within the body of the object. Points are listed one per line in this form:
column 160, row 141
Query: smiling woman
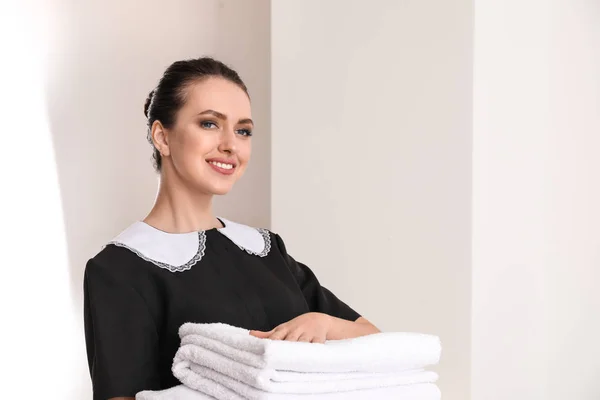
column 182, row 263
column 200, row 114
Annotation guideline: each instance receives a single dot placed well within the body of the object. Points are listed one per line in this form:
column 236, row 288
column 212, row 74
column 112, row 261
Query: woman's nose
column 227, row 143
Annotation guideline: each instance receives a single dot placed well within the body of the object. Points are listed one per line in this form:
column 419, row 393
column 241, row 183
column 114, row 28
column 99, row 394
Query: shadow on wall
column 101, row 67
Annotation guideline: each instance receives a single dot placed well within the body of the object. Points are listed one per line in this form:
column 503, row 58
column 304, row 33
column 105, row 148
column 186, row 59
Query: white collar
column 178, row 252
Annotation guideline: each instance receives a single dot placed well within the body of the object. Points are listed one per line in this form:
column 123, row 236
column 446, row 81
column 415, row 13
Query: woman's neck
column 178, row 210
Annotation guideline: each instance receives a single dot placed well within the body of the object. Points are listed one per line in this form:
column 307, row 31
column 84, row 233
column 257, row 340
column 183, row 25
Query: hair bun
column 148, row 102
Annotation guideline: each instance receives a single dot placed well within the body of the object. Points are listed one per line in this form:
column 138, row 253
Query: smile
column 221, row 165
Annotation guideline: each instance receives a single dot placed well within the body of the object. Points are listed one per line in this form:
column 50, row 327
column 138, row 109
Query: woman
column 182, row 263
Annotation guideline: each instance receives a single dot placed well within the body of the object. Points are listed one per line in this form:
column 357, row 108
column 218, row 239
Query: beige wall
column 535, row 200
column 371, row 152
column 244, row 42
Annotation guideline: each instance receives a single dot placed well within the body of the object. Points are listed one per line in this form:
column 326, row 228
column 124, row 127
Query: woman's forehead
column 220, row 95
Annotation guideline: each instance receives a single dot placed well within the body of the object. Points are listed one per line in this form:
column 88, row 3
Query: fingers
column 292, row 336
column 318, row 339
column 293, row 332
column 261, row 334
column 305, row 338
column 284, row 333
column 279, row 333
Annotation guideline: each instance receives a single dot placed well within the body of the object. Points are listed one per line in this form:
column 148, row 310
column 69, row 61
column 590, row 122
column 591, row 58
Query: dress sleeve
column 319, row 298
column 121, row 335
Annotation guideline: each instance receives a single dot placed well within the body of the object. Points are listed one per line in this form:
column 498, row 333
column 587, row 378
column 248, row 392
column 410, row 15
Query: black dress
column 146, row 283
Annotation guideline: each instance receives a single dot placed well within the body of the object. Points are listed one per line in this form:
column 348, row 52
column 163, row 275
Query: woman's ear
column 160, row 138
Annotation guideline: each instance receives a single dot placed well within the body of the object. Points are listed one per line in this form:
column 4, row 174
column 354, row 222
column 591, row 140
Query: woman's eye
column 208, row 124
column 244, row 132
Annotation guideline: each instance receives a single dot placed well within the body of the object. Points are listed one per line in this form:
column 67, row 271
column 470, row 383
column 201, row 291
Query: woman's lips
column 222, row 166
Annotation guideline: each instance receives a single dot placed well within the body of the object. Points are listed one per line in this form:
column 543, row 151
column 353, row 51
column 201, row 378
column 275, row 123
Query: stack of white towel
column 218, row 361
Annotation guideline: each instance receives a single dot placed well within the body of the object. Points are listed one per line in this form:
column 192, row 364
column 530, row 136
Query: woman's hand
column 310, row 327
column 316, row 327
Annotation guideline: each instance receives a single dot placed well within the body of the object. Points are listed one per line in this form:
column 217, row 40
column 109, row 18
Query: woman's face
column 210, row 144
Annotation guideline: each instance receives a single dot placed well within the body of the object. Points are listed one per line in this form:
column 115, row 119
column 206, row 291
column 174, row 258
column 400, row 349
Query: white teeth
column 221, row 165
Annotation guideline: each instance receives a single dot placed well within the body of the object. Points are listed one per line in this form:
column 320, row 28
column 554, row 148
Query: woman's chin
column 215, row 185
column 220, row 190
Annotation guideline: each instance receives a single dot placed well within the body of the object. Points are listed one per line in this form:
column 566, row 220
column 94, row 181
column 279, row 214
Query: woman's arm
column 120, row 331
column 329, row 317
column 344, row 329
column 317, row 327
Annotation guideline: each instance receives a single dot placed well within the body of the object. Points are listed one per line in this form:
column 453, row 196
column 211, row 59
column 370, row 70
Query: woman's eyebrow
column 214, row 113
column 224, row 117
column 246, row 121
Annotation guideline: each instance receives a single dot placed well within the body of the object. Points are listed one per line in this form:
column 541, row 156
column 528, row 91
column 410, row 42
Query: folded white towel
column 380, row 352
column 412, row 392
column 180, row 392
column 193, row 359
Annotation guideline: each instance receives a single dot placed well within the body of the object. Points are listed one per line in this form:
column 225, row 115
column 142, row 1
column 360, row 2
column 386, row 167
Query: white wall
column 509, row 200
column 371, row 153
column 535, row 195
column 38, row 315
column 573, row 269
